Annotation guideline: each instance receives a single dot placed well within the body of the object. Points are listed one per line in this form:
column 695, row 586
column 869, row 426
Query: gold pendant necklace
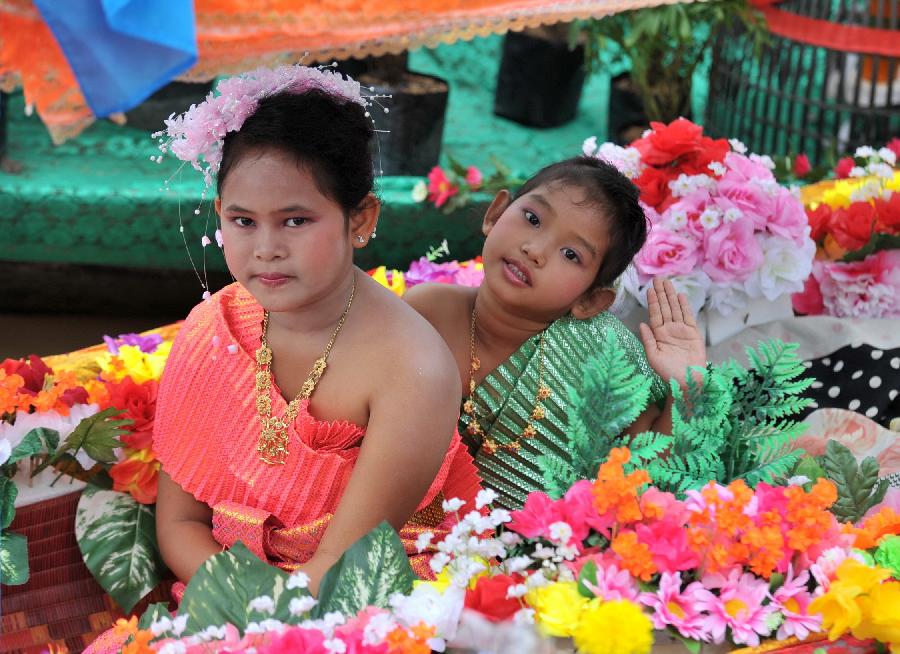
column 273, row 437
column 490, row 445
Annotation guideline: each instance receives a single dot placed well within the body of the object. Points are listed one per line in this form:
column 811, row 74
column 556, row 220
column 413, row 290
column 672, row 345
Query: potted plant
column 411, row 125
column 663, row 46
column 540, row 78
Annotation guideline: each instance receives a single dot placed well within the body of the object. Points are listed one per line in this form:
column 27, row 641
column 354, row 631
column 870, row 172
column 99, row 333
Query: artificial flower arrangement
column 90, row 416
column 428, row 269
column 855, row 223
column 722, row 227
column 610, row 566
column 452, row 188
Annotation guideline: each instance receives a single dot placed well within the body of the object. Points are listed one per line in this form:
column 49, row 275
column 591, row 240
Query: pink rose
column 732, row 252
column 473, row 177
column 667, row 253
column 789, row 218
column 748, row 185
column 868, row 288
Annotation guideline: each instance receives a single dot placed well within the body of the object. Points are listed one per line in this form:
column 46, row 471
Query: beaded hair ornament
column 197, row 136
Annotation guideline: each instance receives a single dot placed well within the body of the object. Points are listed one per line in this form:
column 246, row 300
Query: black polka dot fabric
column 860, row 378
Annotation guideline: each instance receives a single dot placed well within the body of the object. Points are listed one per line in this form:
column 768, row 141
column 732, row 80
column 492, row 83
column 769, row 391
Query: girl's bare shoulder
column 443, row 305
column 403, row 338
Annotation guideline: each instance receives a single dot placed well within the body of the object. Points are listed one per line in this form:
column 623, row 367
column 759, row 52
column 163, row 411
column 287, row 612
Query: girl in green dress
column 551, row 257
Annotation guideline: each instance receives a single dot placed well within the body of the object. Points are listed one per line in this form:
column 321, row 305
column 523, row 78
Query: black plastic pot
column 540, row 80
column 174, row 97
column 415, row 119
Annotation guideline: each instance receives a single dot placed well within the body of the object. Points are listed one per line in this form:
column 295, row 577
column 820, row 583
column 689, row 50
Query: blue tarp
column 121, row 51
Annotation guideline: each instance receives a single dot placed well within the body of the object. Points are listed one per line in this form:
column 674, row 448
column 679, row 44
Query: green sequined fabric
column 505, row 399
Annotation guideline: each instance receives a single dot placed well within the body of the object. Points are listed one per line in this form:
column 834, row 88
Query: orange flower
column 874, row 528
column 125, row 627
column 98, row 393
column 411, row 641
column 138, row 474
column 140, row 644
column 635, row 556
column 9, row 391
column 765, row 548
column 808, row 513
column 616, row 491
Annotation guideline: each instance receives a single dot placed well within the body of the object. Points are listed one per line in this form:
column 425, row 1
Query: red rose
column 654, row 186
column 490, row 600
column 801, row 165
column 809, row 302
column 32, row 371
column 666, row 143
column 138, row 403
column 820, row 221
column 852, row 227
column 888, row 219
column 843, row 167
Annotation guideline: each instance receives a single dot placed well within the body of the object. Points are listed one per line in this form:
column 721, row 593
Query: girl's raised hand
column 672, row 340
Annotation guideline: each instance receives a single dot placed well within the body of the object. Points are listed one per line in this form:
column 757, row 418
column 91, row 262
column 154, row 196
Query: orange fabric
column 206, row 431
column 237, row 35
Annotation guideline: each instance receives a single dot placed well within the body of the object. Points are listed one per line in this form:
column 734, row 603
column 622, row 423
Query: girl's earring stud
column 360, row 238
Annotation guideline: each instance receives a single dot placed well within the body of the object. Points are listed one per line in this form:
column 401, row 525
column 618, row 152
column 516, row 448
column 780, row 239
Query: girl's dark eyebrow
column 540, row 199
column 587, row 246
column 293, row 207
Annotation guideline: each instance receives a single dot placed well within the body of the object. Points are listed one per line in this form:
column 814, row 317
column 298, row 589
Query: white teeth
column 518, row 273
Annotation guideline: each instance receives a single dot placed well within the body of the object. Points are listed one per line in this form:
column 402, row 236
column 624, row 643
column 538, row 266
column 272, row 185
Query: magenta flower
column 147, row 344
column 740, row 607
column 668, row 545
column 439, row 187
column 792, row 599
column 678, row 608
column 534, row 519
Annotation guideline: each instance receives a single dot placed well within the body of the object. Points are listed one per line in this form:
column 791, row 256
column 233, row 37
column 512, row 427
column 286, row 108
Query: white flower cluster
column 627, row 160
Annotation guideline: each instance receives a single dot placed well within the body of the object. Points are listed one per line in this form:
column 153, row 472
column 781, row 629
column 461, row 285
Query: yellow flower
column 840, row 607
column 557, row 607
column 131, row 362
column 397, row 283
column 617, row 627
column 881, row 615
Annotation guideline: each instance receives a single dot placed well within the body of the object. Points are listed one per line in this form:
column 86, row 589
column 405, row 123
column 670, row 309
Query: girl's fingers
column 653, row 307
column 647, row 337
column 674, row 304
column 686, row 310
column 665, row 308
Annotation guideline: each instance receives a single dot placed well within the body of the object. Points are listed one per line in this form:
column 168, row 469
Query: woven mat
column 61, row 608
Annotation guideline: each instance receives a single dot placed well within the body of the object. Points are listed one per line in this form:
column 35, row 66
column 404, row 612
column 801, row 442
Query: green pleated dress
column 505, row 399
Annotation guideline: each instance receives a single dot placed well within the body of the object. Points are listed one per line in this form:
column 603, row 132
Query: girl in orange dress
column 303, row 404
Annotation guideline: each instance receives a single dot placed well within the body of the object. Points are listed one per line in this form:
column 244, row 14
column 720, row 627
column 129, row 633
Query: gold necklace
column 490, row 445
column 273, row 439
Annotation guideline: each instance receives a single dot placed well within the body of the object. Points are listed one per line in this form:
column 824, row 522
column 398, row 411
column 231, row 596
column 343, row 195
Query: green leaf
column 367, row 574
column 692, row 646
column 221, row 590
column 877, row 242
column 117, row 538
column 809, row 468
column 858, row 486
column 36, row 441
column 98, row 436
column 8, row 494
column 588, row 573
column 13, row 559
column 152, row 614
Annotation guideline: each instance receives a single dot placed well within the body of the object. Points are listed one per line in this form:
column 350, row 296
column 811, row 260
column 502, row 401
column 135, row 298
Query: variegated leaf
column 221, row 590
column 117, row 538
column 8, row 495
column 372, row 570
column 13, row 559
